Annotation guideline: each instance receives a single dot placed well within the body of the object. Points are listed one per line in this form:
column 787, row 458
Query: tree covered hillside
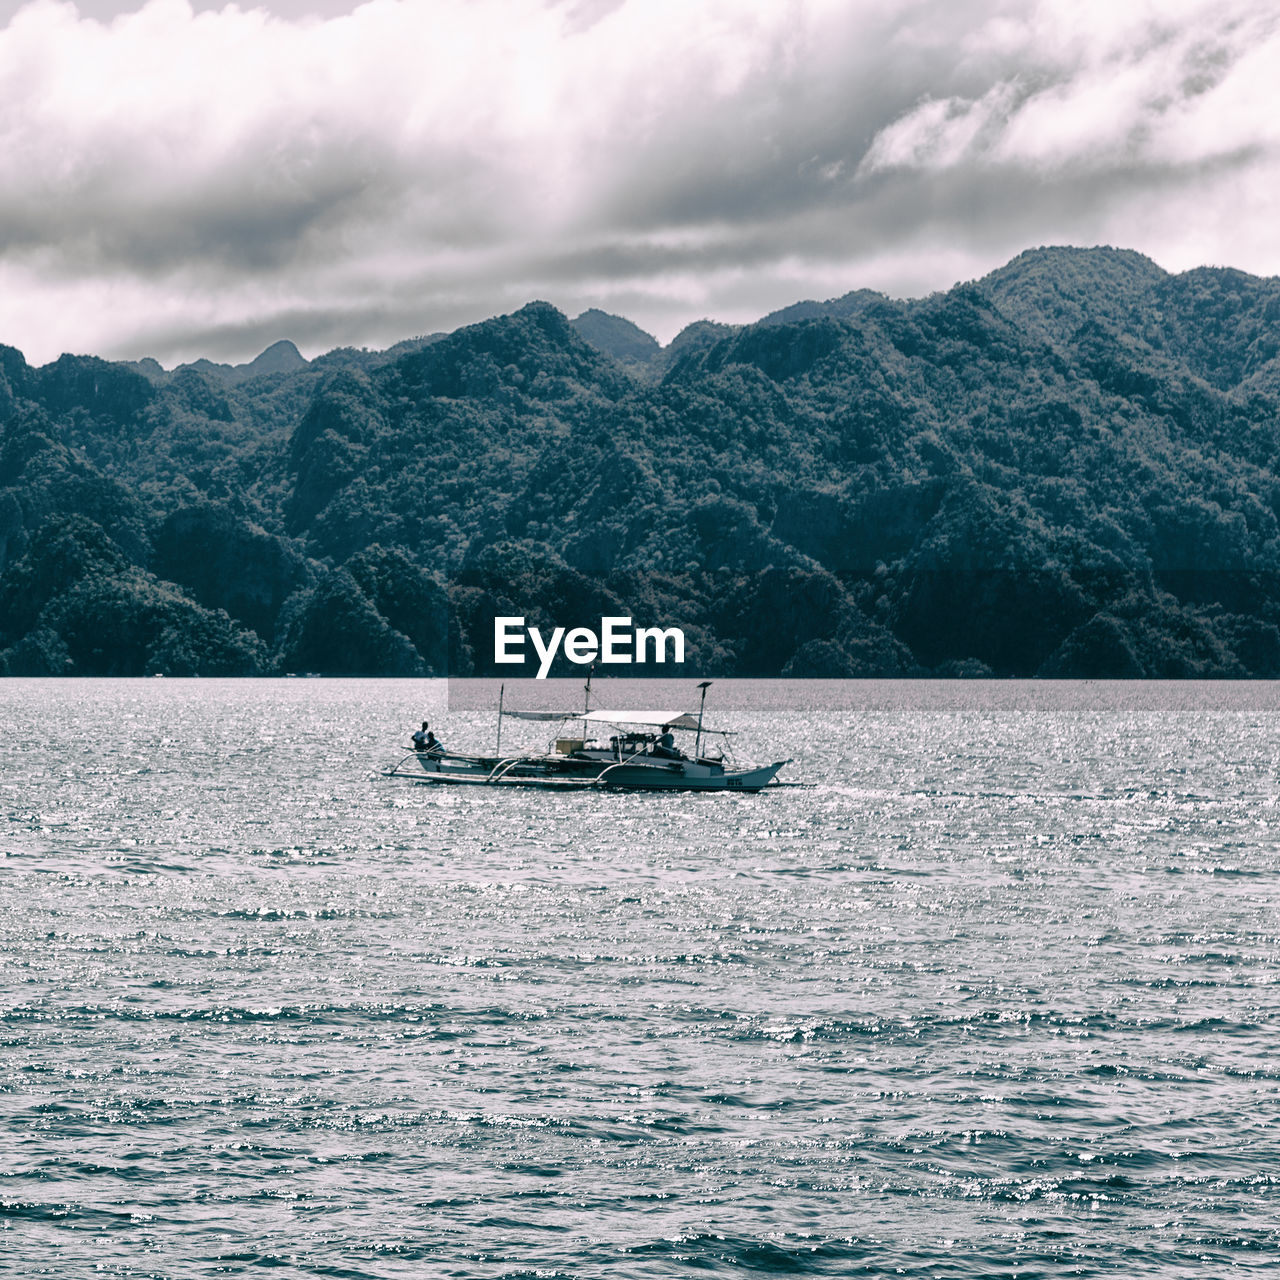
column 1066, row 468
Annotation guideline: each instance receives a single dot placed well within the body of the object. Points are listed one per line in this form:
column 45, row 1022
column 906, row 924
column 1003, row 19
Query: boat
column 617, row 750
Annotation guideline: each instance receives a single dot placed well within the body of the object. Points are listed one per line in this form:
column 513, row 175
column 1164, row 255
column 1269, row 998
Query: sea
column 993, row 994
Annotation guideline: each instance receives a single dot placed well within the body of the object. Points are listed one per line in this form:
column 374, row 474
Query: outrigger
column 626, row 750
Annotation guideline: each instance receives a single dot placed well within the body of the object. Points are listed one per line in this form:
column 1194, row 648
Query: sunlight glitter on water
column 996, row 993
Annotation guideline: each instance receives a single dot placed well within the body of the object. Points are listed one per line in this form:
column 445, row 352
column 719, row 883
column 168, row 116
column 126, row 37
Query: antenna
column 497, row 749
column 697, row 742
column 586, row 705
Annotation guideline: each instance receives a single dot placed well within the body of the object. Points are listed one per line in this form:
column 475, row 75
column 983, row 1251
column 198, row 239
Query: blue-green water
column 997, row 996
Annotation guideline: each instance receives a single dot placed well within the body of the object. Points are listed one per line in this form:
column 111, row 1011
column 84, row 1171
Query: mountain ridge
column 1067, row 467
column 1118, row 275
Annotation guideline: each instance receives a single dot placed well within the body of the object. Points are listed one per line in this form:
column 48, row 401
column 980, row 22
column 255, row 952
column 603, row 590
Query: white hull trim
column 557, row 773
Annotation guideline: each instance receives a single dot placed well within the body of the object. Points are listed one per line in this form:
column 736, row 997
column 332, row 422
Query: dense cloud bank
column 179, row 183
column 1066, row 468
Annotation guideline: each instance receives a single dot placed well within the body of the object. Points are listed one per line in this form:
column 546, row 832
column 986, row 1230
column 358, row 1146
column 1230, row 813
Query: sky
column 186, row 179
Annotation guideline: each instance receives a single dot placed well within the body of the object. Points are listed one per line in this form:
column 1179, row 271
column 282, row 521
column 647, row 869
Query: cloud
column 1145, row 94
column 185, row 182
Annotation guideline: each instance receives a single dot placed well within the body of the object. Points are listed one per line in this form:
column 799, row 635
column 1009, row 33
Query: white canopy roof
column 676, row 719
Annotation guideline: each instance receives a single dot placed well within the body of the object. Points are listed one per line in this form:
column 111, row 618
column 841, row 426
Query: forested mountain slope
column 1066, row 468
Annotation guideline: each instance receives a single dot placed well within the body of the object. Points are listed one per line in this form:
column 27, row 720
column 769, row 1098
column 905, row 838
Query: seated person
column 665, row 745
column 432, row 745
column 420, row 738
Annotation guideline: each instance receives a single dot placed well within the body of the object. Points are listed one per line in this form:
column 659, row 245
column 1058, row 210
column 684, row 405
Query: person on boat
column 424, row 739
column 665, row 744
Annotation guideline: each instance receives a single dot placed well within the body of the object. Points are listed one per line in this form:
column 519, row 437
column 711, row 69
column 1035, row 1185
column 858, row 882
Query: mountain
column 843, row 308
column 1067, row 467
column 279, row 357
column 617, row 337
column 1052, row 293
column 638, row 352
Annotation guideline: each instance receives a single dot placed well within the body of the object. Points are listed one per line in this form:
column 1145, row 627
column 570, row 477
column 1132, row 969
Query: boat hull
column 568, row 773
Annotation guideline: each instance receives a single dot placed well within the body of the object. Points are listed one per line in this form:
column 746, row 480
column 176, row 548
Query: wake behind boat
column 622, row 750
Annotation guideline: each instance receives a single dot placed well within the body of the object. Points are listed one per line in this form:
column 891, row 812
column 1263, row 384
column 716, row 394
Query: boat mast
column 497, row 749
column 697, row 742
column 586, row 706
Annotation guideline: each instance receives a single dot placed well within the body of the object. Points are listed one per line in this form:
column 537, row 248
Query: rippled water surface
column 996, row 996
